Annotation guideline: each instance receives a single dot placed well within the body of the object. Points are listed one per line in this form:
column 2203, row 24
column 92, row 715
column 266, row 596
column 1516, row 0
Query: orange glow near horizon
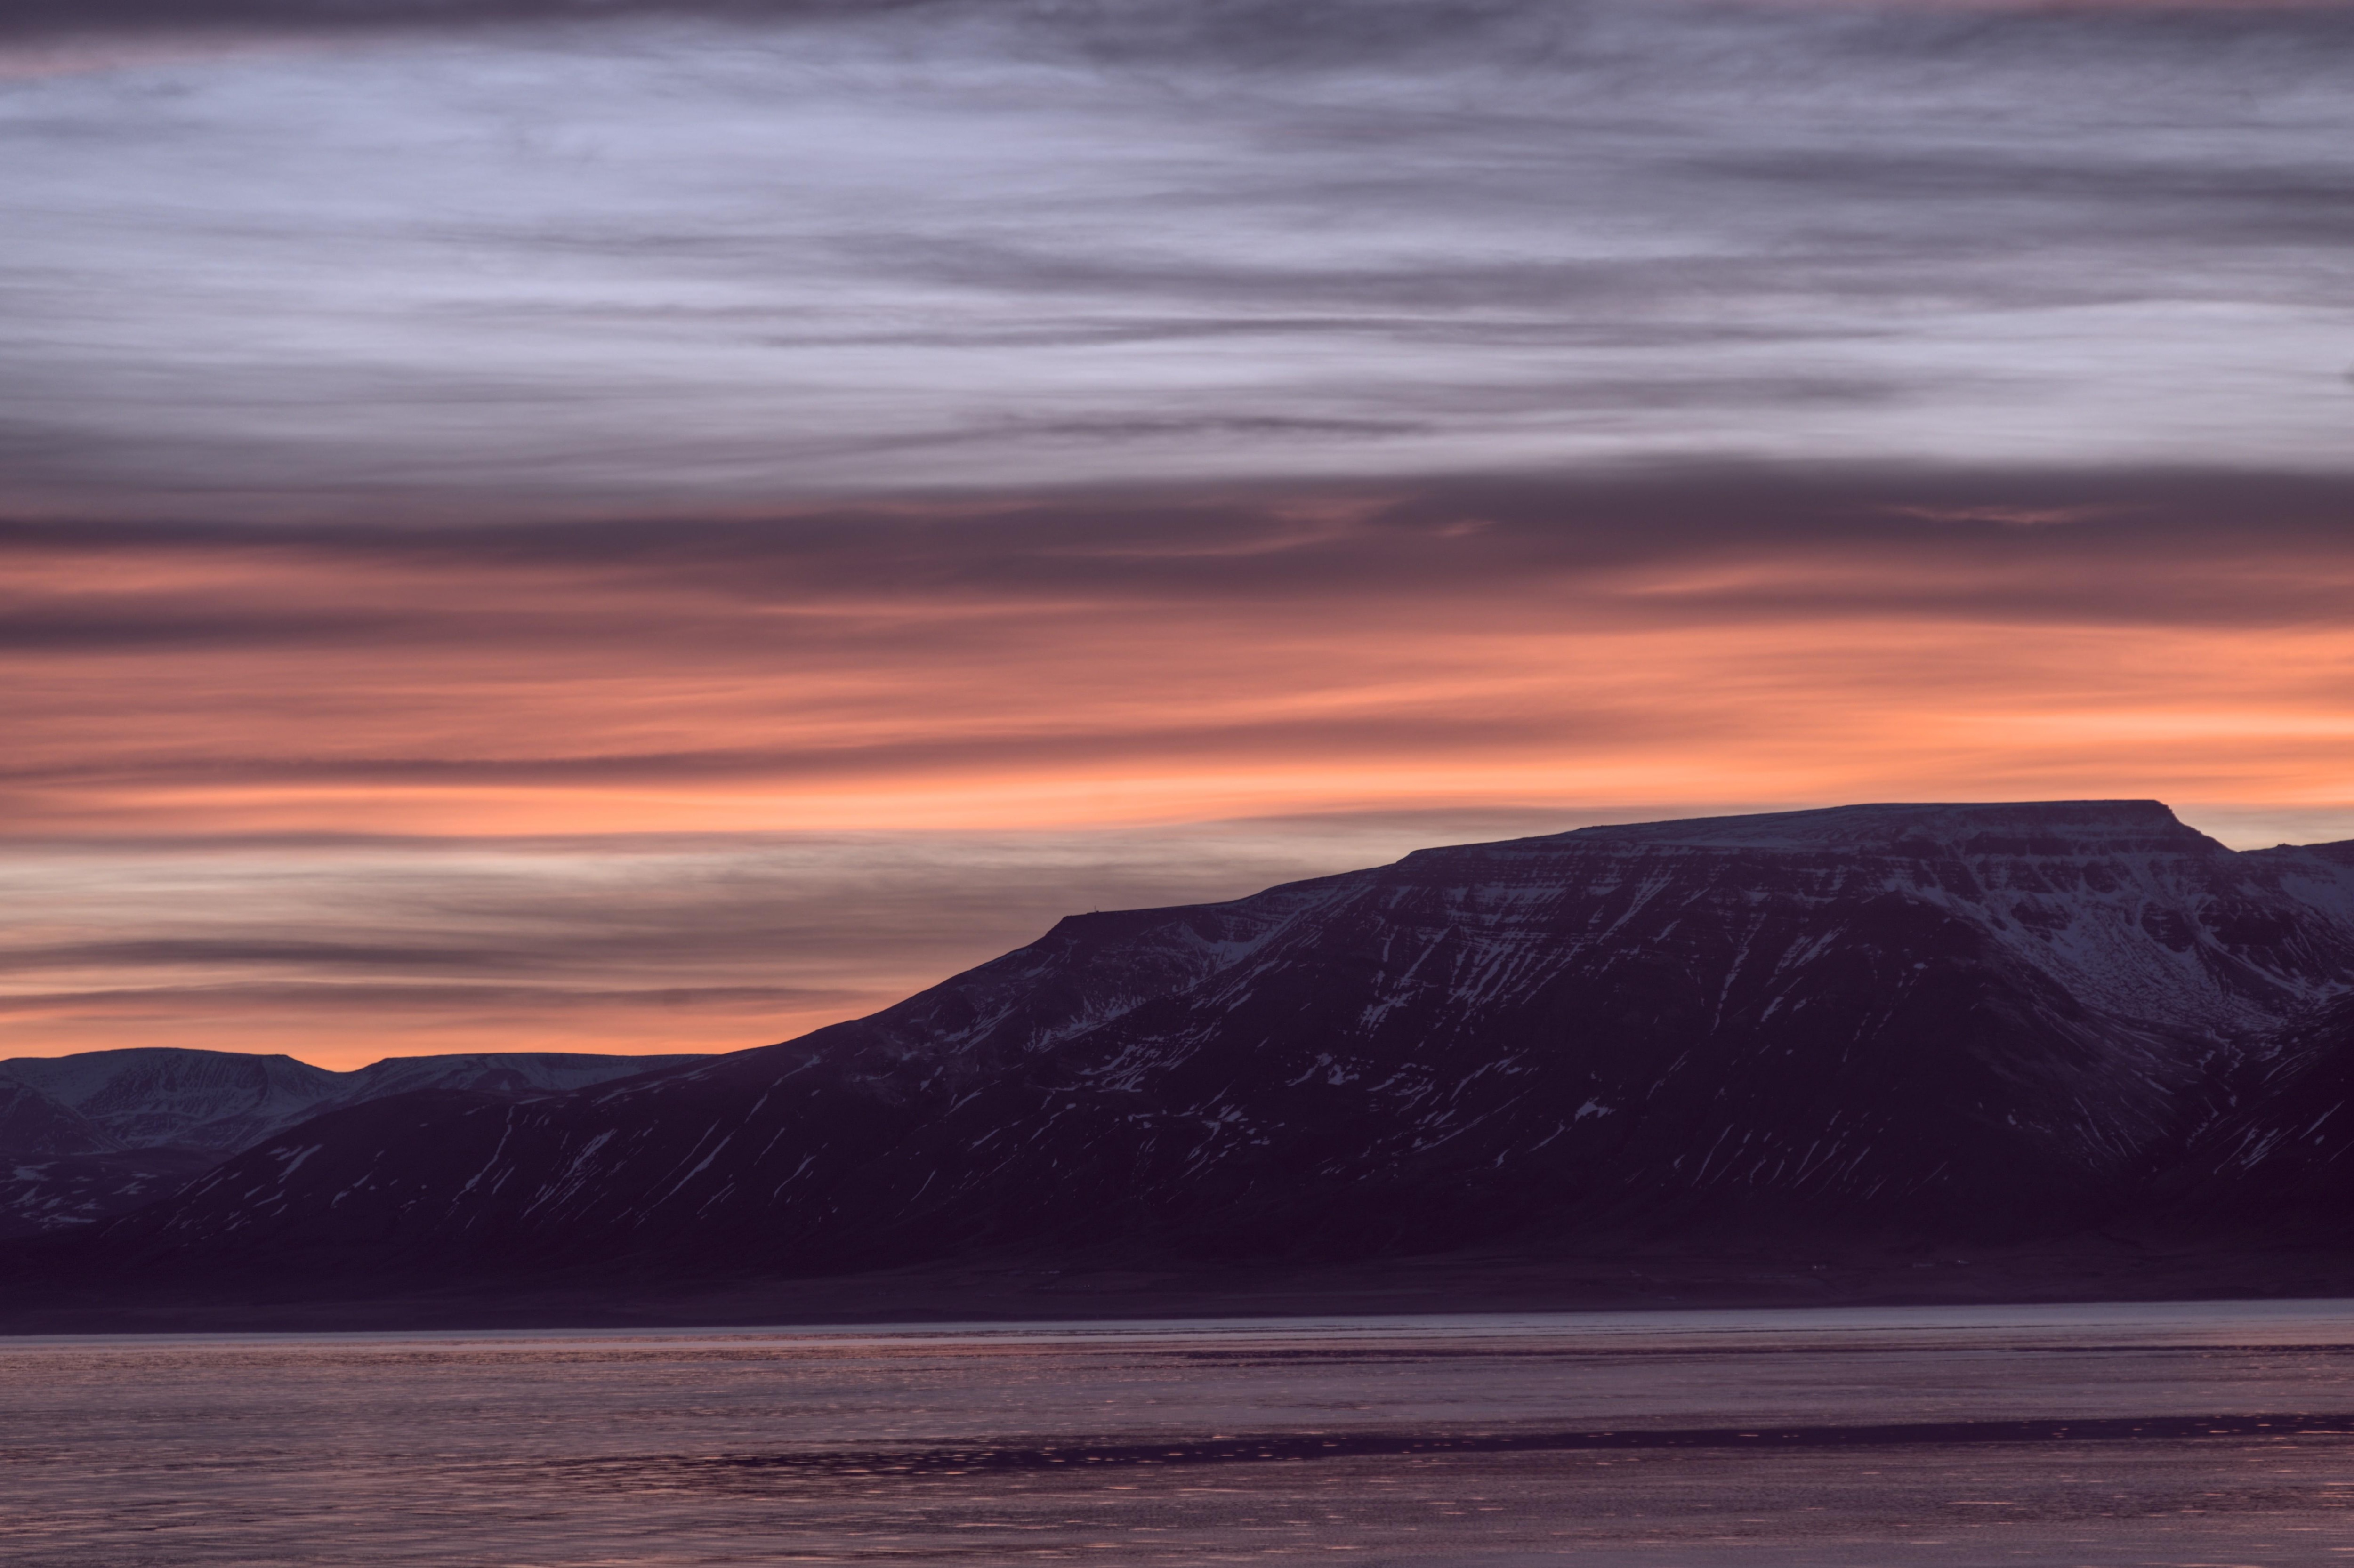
column 985, row 677
column 1085, row 721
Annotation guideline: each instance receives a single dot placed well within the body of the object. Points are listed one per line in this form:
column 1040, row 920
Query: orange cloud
column 1108, row 665
column 1010, row 671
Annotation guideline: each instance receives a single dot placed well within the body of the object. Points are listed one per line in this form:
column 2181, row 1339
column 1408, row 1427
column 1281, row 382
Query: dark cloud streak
column 2171, row 547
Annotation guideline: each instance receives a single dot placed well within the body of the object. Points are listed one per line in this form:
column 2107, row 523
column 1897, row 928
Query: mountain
column 87, row 1136
column 1951, row 1020
column 33, row 1125
column 200, row 1101
column 2282, row 1155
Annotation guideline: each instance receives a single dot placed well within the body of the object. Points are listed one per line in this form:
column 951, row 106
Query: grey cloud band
column 795, row 251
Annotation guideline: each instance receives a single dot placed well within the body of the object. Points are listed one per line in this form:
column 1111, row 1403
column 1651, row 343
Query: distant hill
column 1982, row 1023
column 87, row 1136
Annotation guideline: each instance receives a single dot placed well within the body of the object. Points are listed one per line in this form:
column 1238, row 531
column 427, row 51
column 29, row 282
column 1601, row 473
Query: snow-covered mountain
column 1967, row 1019
column 87, row 1136
column 203, row 1101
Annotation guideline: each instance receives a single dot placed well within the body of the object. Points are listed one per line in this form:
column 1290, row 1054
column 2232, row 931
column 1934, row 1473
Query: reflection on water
column 2193, row 1434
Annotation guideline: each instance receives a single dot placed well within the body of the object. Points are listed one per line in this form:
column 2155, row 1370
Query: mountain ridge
column 1948, row 1020
column 86, row 1136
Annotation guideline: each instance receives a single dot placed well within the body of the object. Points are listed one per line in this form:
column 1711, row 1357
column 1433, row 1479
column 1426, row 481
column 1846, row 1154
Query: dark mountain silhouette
column 97, row 1134
column 1984, row 1023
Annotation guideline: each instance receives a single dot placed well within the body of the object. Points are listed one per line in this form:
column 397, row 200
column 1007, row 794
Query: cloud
column 652, row 526
column 353, row 789
column 73, row 16
column 1165, row 654
column 746, row 254
column 2169, row 544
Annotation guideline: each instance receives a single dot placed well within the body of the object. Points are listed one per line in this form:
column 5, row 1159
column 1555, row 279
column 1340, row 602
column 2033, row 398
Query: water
column 2132, row 1435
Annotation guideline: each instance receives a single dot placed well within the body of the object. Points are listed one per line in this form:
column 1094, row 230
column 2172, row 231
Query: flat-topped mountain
column 1967, row 1021
column 87, row 1136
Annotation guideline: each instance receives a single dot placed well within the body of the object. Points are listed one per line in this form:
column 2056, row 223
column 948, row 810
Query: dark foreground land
column 2093, row 1435
column 1774, row 1272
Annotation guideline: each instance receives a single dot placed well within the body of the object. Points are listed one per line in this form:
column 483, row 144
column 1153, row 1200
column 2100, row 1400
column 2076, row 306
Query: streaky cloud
column 736, row 255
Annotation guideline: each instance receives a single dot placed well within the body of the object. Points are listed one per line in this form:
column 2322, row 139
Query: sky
column 553, row 526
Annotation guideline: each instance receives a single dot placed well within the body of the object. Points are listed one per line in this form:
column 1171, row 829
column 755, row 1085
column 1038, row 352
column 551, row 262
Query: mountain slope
column 2283, row 1154
column 1950, row 1020
column 32, row 1124
column 221, row 1101
column 159, row 1097
column 88, row 1136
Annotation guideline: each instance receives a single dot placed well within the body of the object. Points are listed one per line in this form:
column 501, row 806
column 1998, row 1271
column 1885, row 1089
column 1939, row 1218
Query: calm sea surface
column 2181, row 1435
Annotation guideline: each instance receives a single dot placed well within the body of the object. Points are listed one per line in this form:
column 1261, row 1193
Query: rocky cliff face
column 1968, row 1021
column 88, row 1136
